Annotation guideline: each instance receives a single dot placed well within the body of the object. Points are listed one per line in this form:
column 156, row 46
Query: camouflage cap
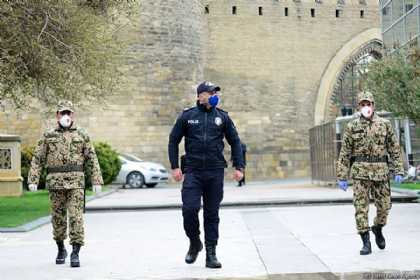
column 365, row 95
column 65, row 105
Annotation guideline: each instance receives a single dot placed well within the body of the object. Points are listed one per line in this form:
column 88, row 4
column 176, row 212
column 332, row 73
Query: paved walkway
column 313, row 242
column 291, row 242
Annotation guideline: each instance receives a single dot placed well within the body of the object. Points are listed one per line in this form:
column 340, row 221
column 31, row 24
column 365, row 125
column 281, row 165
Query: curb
column 275, row 203
column 47, row 219
column 406, row 191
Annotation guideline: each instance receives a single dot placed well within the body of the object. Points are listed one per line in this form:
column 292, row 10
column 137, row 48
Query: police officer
column 368, row 141
column 204, row 128
column 66, row 152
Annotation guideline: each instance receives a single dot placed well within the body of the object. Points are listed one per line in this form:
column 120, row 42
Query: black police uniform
column 204, row 130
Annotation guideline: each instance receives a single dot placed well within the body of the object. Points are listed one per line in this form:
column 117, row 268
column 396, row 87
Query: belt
column 370, row 158
column 65, row 168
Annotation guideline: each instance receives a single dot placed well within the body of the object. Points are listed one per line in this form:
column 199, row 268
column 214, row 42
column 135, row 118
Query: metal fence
column 323, row 147
column 325, row 143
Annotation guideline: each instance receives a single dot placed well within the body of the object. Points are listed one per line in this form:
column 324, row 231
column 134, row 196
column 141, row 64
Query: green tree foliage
column 54, row 49
column 395, row 83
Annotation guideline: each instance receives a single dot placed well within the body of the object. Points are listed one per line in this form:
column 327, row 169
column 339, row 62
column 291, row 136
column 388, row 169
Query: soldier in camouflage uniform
column 368, row 142
column 66, row 152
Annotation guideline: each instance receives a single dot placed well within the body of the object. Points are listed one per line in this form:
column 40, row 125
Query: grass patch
column 410, row 186
column 16, row 211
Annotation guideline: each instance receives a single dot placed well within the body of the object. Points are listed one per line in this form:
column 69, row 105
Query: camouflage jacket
column 371, row 138
column 61, row 148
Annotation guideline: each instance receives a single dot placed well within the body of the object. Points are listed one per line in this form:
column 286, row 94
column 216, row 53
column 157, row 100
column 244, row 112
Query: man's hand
column 342, row 184
column 96, row 188
column 238, row 175
column 32, row 187
column 177, row 174
column 398, row 179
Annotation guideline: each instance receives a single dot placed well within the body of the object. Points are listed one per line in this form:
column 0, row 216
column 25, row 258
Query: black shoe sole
column 191, row 261
column 381, row 247
column 74, row 264
column 213, row 266
column 365, row 253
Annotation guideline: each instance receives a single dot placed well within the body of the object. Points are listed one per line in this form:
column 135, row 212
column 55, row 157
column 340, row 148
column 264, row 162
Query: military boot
column 367, row 248
column 62, row 253
column 74, row 257
column 211, row 259
column 195, row 247
column 379, row 238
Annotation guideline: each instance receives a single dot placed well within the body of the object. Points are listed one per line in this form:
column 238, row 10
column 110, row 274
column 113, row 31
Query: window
column 409, row 4
column 234, row 10
column 412, row 25
column 338, row 13
column 206, row 10
column 312, row 12
column 362, row 14
column 260, row 11
column 397, row 10
column 286, row 12
column 386, row 16
column 399, row 35
column 388, row 39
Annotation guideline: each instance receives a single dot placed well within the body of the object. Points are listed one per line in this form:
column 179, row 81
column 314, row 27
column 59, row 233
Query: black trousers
column 242, row 181
column 206, row 184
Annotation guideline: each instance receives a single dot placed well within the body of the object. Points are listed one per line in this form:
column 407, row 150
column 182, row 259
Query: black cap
column 207, row 87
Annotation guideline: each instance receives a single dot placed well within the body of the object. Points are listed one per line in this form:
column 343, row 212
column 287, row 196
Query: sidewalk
column 256, row 243
column 280, row 243
column 266, row 193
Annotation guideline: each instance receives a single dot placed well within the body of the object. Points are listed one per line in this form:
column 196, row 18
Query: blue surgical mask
column 214, row 100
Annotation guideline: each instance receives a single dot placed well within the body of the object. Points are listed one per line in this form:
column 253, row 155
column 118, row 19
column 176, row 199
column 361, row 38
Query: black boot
column 74, row 257
column 62, row 253
column 211, row 259
column 379, row 238
column 195, row 247
column 367, row 248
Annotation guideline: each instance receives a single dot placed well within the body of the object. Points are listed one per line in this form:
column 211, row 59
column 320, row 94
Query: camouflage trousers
column 380, row 192
column 63, row 202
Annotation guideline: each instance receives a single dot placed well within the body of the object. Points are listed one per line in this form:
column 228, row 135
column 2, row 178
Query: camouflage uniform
column 366, row 144
column 66, row 153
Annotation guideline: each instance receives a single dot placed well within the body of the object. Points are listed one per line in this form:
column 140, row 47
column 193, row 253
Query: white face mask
column 366, row 111
column 65, row 121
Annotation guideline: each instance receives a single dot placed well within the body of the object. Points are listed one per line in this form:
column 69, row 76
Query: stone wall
column 269, row 67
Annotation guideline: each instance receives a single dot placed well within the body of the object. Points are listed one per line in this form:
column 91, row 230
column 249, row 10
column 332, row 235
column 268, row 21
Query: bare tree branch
column 45, row 26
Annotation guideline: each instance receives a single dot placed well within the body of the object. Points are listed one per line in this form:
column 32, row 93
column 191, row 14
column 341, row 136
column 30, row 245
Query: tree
column 395, row 83
column 54, row 49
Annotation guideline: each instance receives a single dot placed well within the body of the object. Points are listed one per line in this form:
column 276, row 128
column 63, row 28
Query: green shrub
column 108, row 161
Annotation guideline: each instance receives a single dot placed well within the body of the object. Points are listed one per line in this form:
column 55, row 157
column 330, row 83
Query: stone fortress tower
column 278, row 63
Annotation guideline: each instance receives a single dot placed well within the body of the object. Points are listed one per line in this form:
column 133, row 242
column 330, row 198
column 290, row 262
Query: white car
column 136, row 172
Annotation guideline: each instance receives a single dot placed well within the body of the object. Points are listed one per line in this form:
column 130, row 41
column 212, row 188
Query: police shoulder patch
column 188, row 108
column 221, row 110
